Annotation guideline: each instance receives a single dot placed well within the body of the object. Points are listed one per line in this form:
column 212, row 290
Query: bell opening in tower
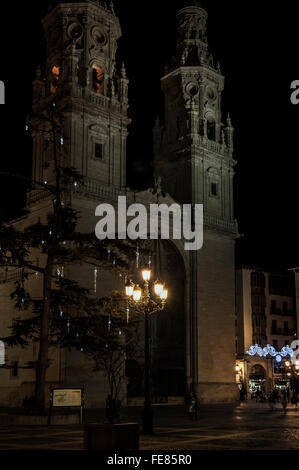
column 54, row 79
column 211, row 130
column 98, row 76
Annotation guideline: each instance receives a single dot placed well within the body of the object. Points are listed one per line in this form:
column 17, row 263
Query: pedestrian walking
column 272, row 400
column 284, row 402
column 278, row 395
column 193, row 408
column 295, row 399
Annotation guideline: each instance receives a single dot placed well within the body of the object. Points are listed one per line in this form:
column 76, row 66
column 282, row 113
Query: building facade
column 266, row 315
column 193, row 343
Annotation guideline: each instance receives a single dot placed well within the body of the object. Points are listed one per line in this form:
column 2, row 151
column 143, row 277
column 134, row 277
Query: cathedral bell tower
column 83, row 83
column 193, row 153
column 194, row 149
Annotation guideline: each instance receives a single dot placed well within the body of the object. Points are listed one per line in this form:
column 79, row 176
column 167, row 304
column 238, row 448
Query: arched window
column 211, row 128
column 54, row 79
column 98, row 77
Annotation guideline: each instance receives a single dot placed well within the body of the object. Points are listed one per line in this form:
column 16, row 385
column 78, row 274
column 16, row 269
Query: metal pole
column 147, row 414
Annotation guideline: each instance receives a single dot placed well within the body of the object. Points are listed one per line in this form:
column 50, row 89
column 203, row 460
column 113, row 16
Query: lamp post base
column 147, row 420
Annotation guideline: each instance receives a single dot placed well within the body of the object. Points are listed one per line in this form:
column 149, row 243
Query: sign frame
column 66, row 389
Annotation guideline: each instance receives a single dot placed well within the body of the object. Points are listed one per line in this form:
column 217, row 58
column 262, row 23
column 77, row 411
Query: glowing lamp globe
column 129, row 289
column 164, row 294
column 146, row 274
column 137, row 294
column 159, row 287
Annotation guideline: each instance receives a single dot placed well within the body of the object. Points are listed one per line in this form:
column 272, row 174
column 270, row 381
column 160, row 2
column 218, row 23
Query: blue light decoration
column 256, row 350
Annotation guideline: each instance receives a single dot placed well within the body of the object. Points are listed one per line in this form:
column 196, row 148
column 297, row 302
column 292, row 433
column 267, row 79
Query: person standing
column 193, row 406
column 272, row 400
column 295, row 399
column 284, row 402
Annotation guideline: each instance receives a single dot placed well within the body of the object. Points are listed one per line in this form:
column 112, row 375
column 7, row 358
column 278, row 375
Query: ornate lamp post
column 142, row 302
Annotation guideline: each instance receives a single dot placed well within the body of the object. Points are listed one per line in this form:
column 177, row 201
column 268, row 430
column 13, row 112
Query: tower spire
column 107, row 5
column 192, row 44
column 192, row 3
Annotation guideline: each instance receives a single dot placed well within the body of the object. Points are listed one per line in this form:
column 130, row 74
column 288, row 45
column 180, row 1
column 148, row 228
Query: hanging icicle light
column 128, row 314
column 95, row 280
column 137, row 256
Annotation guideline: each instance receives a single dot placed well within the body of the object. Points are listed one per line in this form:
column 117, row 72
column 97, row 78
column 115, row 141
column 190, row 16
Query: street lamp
column 142, row 302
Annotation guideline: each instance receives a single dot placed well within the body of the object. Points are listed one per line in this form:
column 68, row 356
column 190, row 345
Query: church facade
column 193, row 343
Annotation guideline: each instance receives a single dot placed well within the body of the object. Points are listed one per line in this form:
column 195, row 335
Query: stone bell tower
column 194, row 156
column 83, row 83
column 194, row 145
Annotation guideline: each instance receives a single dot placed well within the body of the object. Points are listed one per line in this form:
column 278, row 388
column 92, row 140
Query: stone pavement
column 245, row 427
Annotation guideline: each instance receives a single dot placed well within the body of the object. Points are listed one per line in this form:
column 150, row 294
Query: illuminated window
column 98, row 79
column 98, row 151
column 54, row 79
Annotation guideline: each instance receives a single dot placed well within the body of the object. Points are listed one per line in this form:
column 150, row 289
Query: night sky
column 257, row 48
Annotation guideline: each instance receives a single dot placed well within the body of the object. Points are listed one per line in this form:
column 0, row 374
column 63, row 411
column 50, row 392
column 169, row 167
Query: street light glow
column 137, row 294
column 129, row 289
column 164, row 294
column 146, row 274
column 159, row 287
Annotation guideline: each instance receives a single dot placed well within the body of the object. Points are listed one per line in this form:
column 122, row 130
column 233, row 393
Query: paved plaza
column 246, row 427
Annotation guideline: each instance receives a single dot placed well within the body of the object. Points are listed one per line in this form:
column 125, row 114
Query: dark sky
column 257, row 47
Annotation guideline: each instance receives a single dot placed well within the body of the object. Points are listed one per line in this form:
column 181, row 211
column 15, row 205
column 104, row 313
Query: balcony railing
column 279, row 311
column 282, row 332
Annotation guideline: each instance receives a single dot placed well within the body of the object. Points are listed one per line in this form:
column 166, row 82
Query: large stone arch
column 168, row 339
column 168, row 328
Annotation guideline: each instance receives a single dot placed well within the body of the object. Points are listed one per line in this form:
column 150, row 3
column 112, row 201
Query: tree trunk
column 42, row 364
